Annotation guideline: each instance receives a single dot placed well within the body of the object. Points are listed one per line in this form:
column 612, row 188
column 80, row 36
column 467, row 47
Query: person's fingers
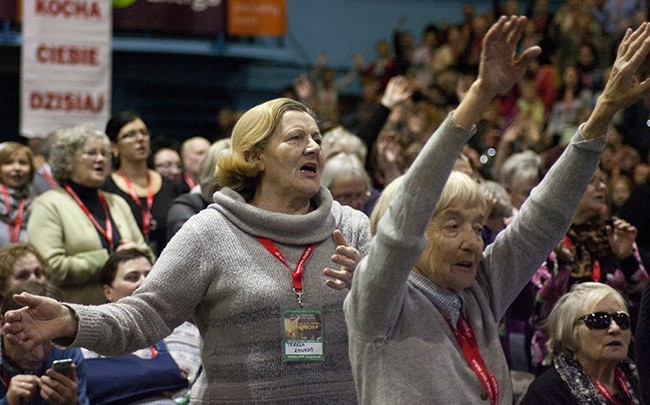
column 528, row 55
column 339, row 239
column 496, row 30
column 516, row 29
column 344, row 261
column 338, row 279
column 622, row 47
column 639, row 48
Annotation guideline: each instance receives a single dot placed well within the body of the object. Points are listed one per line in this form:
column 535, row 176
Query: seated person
column 27, row 376
column 20, row 262
column 589, row 336
column 148, row 375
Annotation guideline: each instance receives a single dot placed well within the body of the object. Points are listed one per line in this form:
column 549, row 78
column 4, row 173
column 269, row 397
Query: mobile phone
column 62, row 366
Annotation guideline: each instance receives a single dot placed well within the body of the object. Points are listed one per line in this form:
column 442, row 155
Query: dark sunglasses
column 602, row 320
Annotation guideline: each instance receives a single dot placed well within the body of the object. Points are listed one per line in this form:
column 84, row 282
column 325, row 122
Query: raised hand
column 622, row 88
column 621, row 235
column 499, row 68
column 398, row 89
column 347, row 257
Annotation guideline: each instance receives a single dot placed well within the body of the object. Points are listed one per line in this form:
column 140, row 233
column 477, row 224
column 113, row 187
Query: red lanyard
column 467, row 341
column 14, row 226
column 620, row 380
column 190, row 182
column 48, row 178
column 146, row 212
column 296, row 274
column 108, row 233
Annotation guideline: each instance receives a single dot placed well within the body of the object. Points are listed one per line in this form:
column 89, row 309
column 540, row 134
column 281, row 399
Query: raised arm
column 379, row 283
column 496, row 72
column 622, row 88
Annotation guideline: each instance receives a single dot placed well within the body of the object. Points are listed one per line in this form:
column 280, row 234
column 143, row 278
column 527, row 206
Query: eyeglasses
column 169, row 165
column 132, row 134
column 93, row 153
column 602, row 320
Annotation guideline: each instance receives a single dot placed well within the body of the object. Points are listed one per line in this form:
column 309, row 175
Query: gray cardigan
column 401, row 348
column 216, row 270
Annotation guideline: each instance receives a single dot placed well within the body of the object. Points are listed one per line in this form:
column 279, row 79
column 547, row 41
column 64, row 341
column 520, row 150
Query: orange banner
column 257, row 17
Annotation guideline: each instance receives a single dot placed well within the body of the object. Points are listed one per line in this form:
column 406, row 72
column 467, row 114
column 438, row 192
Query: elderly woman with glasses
column 77, row 226
column 589, row 336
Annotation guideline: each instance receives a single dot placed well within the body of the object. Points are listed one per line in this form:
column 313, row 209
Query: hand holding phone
column 63, row 366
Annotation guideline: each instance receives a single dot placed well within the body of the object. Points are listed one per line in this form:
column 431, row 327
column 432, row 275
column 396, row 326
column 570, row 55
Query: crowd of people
column 492, row 181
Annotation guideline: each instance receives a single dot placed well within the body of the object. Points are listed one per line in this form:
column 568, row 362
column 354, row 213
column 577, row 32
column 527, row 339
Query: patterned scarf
column 14, row 200
column 588, row 243
column 583, row 388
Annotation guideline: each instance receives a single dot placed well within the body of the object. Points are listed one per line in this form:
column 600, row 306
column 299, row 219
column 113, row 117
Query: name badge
column 302, row 334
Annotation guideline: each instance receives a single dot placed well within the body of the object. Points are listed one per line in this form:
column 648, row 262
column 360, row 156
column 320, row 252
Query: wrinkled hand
column 40, row 320
column 398, row 89
column 499, row 68
column 623, row 88
column 621, row 238
column 347, row 257
column 22, row 388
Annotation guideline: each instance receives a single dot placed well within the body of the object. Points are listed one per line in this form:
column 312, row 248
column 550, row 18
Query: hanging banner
column 66, row 65
column 192, row 17
column 257, row 17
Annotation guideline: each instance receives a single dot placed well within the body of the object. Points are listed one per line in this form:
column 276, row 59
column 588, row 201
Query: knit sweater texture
column 401, row 347
column 215, row 270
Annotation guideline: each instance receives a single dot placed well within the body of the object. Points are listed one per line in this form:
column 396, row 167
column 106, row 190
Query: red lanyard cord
column 620, row 380
column 467, row 341
column 106, row 233
column 146, row 211
column 14, row 226
column 296, row 274
column 48, row 177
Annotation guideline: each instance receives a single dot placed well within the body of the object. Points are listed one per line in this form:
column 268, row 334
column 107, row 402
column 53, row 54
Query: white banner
column 66, row 65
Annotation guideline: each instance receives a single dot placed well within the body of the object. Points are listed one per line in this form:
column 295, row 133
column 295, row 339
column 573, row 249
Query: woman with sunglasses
column 598, row 248
column 589, row 336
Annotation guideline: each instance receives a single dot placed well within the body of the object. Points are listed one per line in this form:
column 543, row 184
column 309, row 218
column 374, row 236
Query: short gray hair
column 524, row 165
column 342, row 164
column 68, row 142
column 339, row 140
